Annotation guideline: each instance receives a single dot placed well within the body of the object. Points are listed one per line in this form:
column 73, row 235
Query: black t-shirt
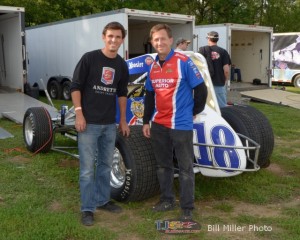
column 219, row 57
column 100, row 80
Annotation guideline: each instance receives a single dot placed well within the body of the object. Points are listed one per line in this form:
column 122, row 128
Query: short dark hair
column 159, row 27
column 213, row 36
column 114, row 26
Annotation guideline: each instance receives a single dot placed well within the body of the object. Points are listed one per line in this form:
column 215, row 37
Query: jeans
column 238, row 73
column 164, row 141
column 221, row 94
column 96, row 148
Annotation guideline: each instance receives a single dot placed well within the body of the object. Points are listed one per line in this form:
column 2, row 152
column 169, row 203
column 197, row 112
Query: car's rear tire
column 134, row 169
column 252, row 123
column 37, row 130
column 266, row 135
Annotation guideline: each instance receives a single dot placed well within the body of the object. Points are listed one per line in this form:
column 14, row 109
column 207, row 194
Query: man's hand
column 124, row 129
column 146, row 130
column 80, row 123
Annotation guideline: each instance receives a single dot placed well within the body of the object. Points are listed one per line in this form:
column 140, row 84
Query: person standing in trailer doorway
column 218, row 61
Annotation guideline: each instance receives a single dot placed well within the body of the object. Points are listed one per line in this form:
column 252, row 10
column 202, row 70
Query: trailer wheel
column 37, row 130
column 253, row 124
column 133, row 175
column 66, row 93
column 54, row 90
column 33, row 91
column 297, row 81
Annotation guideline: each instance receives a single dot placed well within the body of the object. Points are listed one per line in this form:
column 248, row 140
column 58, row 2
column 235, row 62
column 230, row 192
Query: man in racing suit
column 175, row 94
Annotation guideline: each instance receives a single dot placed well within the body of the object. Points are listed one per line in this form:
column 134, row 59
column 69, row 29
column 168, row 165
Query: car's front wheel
column 133, row 175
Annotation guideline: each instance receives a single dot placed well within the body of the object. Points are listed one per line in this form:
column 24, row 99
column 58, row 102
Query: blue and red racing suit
column 172, row 86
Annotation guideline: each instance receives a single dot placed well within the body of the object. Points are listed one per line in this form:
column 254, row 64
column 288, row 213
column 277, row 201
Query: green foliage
column 282, row 15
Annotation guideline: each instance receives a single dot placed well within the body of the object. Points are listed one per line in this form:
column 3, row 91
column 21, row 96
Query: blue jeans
column 96, row 148
column 238, row 73
column 221, row 94
column 164, row 141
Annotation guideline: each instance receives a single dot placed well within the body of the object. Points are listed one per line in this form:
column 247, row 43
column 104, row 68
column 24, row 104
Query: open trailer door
column 12, row 48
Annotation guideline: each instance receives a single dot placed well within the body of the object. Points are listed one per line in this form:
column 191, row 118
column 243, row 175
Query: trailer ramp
column 5, row 134
column 13, row 106
column 274, row 96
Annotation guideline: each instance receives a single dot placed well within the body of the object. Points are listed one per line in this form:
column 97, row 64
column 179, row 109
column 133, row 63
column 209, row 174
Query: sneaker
column 110, row 207
column 87, row 218
column 186, row 215
column 163, row 206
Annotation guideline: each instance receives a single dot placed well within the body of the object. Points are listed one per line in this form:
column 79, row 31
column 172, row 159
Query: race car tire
column 234, row 121
column 139, row 177
column 241, row 124
column 37, row 130
column 252, row 123
column 265, row 130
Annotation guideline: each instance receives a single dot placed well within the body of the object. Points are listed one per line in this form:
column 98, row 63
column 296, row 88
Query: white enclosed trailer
column 249, row 46
column 286, row 58
column 13, row 74
column 54, row 49
column 12, row 48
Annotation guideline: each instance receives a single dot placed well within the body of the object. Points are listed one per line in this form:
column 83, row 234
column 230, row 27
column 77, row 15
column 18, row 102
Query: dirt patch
column 279, row 140
column 124, row 220
column 279, row 171
column 239, row 208
column 216, row 223
column 19, row 160
column 55, row 206
column 295, row 153
column 16, row 149
column 294, row 203
column 69, row 163
column 276, row 169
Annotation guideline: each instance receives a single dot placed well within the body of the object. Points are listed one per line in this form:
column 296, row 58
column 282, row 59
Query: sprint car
column 227, row 141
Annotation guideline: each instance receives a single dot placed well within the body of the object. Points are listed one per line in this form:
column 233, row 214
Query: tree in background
column 282, row 15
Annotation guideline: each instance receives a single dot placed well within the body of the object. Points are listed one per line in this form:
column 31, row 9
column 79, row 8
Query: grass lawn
column 39, row 195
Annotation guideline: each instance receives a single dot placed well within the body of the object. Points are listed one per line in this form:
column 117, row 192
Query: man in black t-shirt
column 99, row 78
column 218, row 59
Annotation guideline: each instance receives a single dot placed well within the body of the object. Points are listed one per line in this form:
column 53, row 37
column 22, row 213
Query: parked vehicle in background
column 227, row 141
column 53, row 49
column 249, row 46
column 286, row 58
